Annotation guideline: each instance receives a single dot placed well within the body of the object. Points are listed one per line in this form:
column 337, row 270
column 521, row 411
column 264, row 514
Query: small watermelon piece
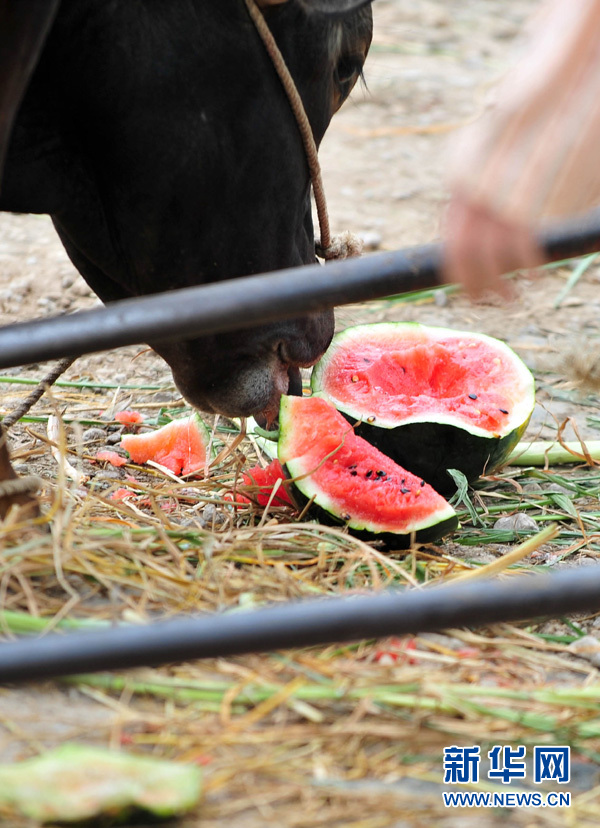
column 122, row 494
column 181, row 445
column 111, row 457
column 265, row 479
column 129, row 417
column 431, row 398
column 354, row 483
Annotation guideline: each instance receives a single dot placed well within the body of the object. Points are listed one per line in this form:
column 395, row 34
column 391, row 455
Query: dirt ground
column 383, row 160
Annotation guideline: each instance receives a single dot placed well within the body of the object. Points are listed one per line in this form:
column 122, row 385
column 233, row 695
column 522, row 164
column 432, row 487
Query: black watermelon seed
column 405, row 491
column 353, row 473
column 369, row 473
column 353, row 466
column 422, row 482
column 472, row 396
column 346, row 516
column 503, row 410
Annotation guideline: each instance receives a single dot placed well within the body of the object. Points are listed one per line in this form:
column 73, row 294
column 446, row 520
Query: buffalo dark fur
column 159, row 139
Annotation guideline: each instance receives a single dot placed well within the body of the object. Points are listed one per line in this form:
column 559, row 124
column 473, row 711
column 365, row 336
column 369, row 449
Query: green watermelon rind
column 442, row 447
column 207, row 431
column 439, row 522
column 428, row 444
column 436, row 526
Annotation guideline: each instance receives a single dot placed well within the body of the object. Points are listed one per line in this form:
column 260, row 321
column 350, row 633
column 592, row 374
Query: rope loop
column 346, row 245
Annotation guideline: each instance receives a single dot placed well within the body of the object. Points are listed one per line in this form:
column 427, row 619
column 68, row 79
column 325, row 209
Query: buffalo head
column 159, row 139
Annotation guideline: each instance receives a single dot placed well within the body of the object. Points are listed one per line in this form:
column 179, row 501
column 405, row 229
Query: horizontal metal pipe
column 302, row 624
column 219, row 306
column 235, row 304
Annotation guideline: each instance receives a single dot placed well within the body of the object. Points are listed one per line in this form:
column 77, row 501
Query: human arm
column 533, row 155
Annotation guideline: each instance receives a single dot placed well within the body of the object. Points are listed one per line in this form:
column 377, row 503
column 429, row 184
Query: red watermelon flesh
column 265, row 479
column 471, row 378
column 111, row 457
column 181, row 446
column 129, row 417
column 349, row 477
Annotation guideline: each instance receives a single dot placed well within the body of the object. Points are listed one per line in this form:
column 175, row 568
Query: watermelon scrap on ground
column 75, row 782
column 266, row 479
column 182, row 446
column 129, row 417
column 111, row 457
column 122, row 494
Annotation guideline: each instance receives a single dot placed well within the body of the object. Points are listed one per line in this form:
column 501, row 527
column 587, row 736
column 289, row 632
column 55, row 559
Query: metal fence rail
column 302, row 624
column 255, row 300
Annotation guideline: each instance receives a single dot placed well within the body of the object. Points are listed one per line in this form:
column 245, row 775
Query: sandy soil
column 383, row 161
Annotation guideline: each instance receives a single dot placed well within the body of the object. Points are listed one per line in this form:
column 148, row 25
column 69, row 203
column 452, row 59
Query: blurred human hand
column 481, row 246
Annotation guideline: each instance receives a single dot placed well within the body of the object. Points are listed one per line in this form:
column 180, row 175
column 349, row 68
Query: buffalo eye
column 348, row 68
column 347, row 71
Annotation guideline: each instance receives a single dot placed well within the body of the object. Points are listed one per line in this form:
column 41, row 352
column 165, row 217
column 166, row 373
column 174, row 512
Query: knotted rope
column 346, row 244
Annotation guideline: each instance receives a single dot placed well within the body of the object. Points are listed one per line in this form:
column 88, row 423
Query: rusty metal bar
column 231, row 305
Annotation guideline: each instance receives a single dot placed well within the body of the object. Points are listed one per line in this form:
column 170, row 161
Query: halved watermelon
column 431, row 398
column 181, row 446
column 354, row 483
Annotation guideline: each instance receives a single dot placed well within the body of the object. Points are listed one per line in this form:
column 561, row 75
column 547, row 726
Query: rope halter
column 346, row 244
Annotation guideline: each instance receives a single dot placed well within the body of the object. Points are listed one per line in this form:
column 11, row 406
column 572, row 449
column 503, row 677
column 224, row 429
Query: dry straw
column 327, row 736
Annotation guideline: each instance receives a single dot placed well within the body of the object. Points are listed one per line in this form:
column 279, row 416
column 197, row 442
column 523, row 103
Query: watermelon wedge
column 181, row 445
column 352, row 482
column 431, row 398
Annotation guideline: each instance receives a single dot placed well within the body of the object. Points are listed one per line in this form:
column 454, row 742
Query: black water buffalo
column 157, row 136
